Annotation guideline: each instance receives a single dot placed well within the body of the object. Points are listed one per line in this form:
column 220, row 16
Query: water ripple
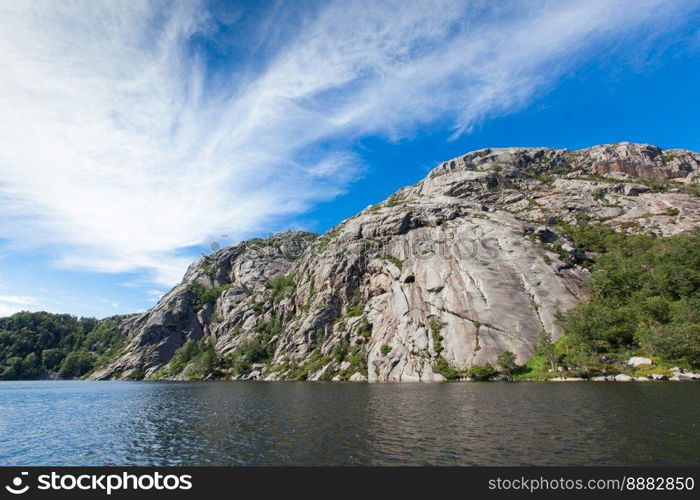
column 286, row 423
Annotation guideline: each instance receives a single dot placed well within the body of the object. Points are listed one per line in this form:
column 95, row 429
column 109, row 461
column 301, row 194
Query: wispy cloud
column 111, row 303
column 124, row 140
column 154, row 295
column 10, row 304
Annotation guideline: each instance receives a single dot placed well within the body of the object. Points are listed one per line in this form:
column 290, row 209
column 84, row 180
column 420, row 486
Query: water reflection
column 248, row 423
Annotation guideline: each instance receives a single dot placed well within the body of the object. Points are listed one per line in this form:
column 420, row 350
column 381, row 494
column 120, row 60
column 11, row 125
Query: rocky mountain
column 452, row 271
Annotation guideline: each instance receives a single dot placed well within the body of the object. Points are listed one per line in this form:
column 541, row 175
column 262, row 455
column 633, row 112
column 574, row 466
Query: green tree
column 12, row 368
column 481, row 372
column 546, row 349
column 76, row 364
column 506, row 360
column 52, row 359
column 675, row 342
column 31, row 366
column 579, row 359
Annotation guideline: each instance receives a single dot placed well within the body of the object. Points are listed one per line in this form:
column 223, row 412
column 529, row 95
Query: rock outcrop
column 460, row 267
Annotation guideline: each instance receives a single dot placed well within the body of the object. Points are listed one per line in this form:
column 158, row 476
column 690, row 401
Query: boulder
column 623, row 378
column 357, row 377
column 638, row 361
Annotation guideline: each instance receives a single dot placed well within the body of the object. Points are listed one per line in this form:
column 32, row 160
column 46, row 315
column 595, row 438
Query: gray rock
column 638, row 361
column 623, row 378
column 357, row 377
column 455, row 262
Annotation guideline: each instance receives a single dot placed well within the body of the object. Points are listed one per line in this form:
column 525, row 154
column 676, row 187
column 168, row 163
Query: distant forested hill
column 43, row 345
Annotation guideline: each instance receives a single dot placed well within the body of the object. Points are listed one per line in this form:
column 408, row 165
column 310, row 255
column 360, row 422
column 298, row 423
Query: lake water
column 302, row 423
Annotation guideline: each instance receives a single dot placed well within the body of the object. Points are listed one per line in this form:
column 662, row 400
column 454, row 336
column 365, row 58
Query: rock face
column 461, row 266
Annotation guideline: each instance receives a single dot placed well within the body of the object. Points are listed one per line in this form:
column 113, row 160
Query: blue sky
column 134, row 135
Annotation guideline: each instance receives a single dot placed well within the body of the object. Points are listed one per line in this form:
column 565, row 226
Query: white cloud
column 111, row 303
column 154, row 295
column 17, row 299
column 120, row 145
column 10, row 304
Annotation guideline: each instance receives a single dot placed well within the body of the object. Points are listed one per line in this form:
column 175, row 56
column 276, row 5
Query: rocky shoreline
column 676, row 374
column 621, row 377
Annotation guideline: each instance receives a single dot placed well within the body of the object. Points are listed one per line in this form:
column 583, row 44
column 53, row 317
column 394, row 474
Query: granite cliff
column 454, row 270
